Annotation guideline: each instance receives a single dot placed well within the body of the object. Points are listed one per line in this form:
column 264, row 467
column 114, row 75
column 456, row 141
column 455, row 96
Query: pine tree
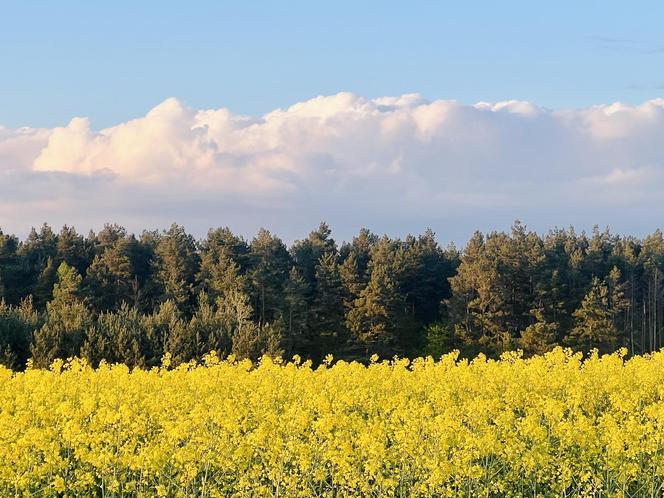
column 17, row 324
column 375, row 318
column 308, row 253
column 352, row 280
column 270, row 264
column 423, row 273
column 72, row 249
column 221, row 244
column 177, row 263
column 360, row 248
column 35, row 252
column 617, row 300
column 248, row 339
column 96, row 346
column 220, row 275
column 520, row 257
column 439, row 339
column 477, row 304
column 160, row 326
column 211, row 329
column 186, row 342
column 254, row 341
column 67, row 321
column 145, row 263
column 594, row 321
column 126, row 332
column 43, row 289
column 539, row 337
column 110, row 280
column 208, row 330
column 297, row 315
column 12, row 286
column 327, row 309
column 107, row 237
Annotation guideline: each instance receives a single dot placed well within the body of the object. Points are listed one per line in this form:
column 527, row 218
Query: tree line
column 121, row 298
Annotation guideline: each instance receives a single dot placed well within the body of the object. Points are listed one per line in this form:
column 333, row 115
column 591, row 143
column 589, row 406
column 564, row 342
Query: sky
column 392, row 115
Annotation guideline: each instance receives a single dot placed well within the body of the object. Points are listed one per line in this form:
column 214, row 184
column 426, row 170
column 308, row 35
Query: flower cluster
column 551, row 425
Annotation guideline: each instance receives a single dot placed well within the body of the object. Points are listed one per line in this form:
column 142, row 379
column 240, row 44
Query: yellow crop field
column 552, row 425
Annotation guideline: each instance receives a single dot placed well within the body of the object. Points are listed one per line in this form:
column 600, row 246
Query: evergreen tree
column 423, row 270
column 210, row 329
column 12, row 287
column 375, row 317
column 213, row 327
column 327, row 309
column 17, row 324
column 594, row 321
column 539, row 337
column 144, row 261
column 254, row 341
column 360, row 248
column 477, row 304
column 221, row 244
column 67, row 321
column 110, row 280
column 73, row 250
column 616, row 291
column 43, row 289
column 270, row 264
column 308, row 253
column 220, row 275
column 160, row 326
column 107, row 237
column 97, row 346
column 297, row 315
column 126, row 333
column 439, row 339
column 353, row 281
column 35, row 253
column 177, row 263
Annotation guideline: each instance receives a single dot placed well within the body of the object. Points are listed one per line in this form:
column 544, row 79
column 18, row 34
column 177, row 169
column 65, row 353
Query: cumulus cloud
column 395, row 164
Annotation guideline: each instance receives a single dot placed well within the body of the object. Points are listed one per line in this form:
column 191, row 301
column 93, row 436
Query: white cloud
column 393, row 163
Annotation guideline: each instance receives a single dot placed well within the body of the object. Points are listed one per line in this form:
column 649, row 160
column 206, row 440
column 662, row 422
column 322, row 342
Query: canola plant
column 552, row 425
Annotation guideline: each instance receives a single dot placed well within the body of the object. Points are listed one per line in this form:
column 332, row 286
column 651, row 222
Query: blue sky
column 112, row 61
column 207, row 114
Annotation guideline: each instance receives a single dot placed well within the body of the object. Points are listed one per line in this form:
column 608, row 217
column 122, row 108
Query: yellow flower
column 551, row 425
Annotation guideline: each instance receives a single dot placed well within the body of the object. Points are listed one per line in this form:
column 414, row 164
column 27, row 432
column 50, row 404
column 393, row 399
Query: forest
column 129, row 299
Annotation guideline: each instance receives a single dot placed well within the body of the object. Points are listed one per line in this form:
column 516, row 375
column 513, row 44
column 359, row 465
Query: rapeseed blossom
column 552, row 425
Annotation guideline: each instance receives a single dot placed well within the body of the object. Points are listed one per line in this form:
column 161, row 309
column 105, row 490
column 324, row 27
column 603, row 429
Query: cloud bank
column 395, row 164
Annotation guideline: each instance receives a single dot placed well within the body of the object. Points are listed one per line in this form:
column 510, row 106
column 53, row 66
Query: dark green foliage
column 119, row 337
column 377, row 317
column 308, row 253
column 73, row 249
column 268, row 273
column 299, row 338
column 327, row 309
column 67, row 321
column 210, row 329
column 110, row 296
column 255, row 340
column 539, row 337
column 111, row 279
column 17, row 324
column 594, row 325
column 37, row 252
column 11, row 277
column 177, row 264
column 439, row 339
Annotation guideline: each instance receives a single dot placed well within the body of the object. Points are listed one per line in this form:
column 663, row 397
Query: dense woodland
column 121, row 298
